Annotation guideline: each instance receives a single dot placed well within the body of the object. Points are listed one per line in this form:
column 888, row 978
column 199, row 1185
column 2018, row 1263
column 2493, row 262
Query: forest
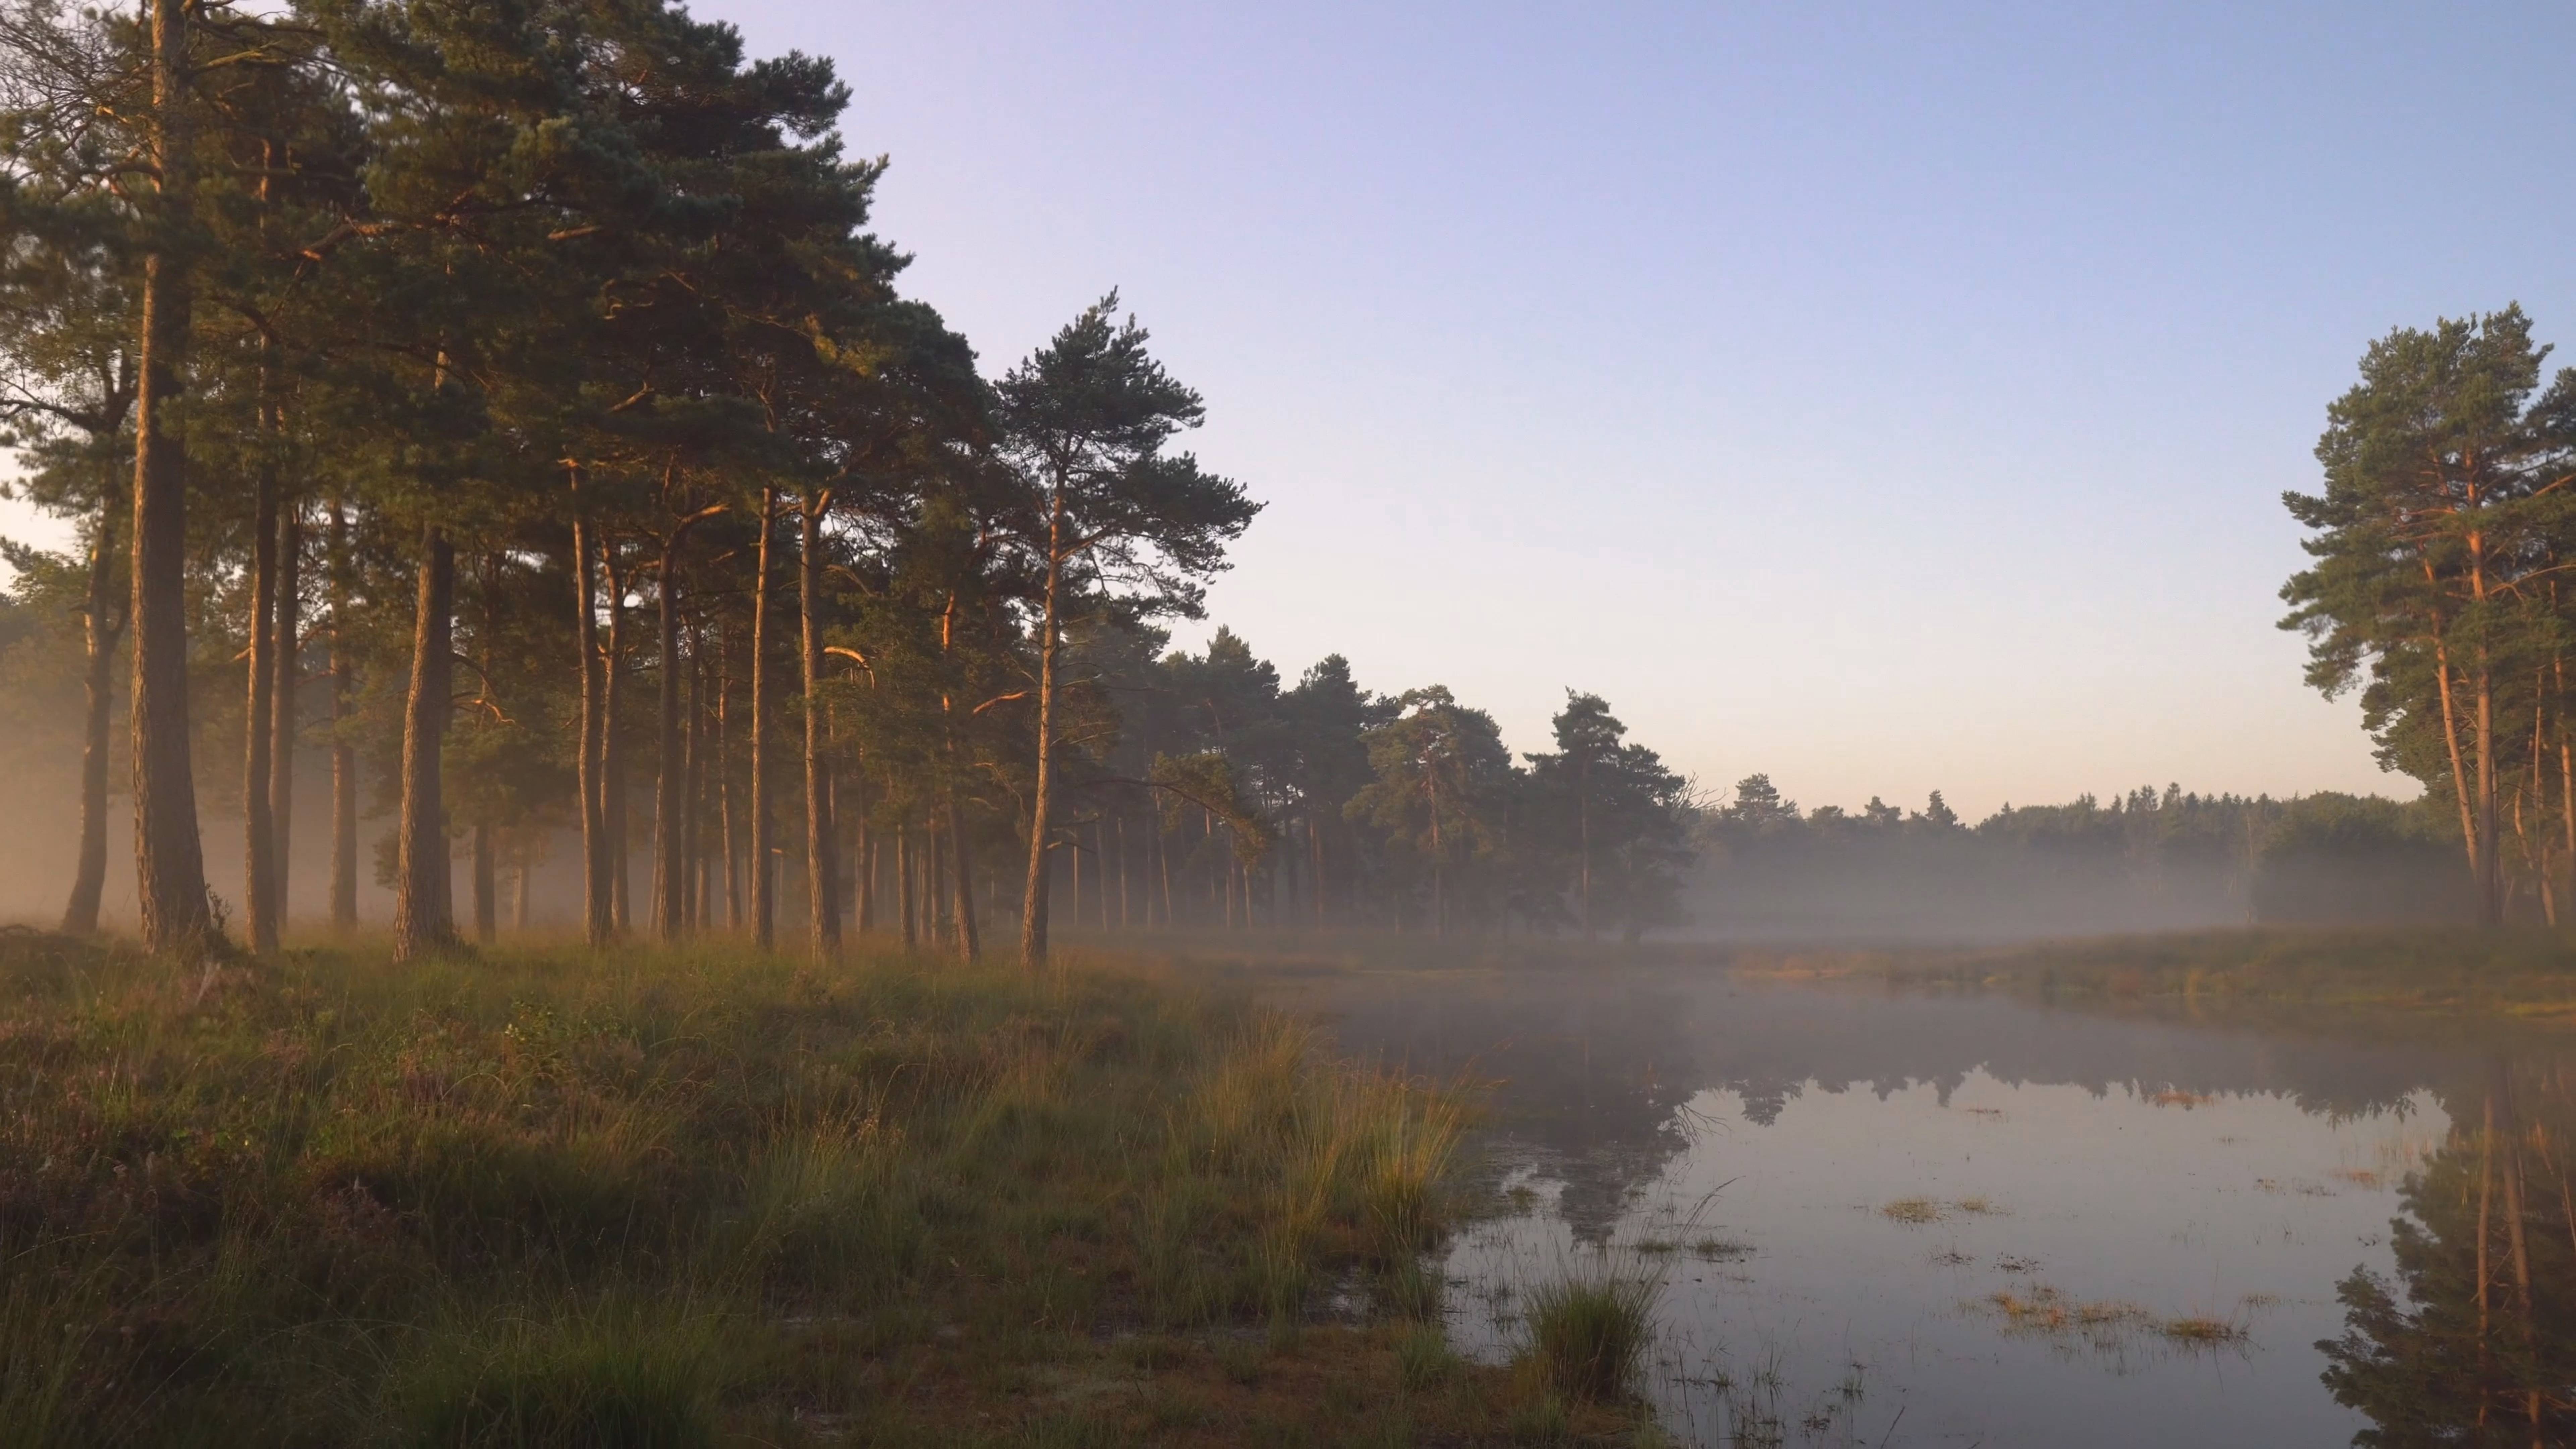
column 502, row 423
column 504, row 426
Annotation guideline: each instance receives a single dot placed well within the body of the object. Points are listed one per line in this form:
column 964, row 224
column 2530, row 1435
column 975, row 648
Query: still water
column 1886, row 1219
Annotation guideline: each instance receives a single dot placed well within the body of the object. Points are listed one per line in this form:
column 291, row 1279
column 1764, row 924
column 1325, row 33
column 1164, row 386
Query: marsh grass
column 2110, row 1325
column 1589, row 1328
column 689, row 1196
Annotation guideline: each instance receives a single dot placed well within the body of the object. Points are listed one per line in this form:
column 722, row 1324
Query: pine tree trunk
column 344, row 757
column 670, row 858
column 99, row 628
column 487, row 904
column 970, row 940
column 906, row 906
column 724, row 784
column 612, row 746
column 169, row 858
column 822, row 887
column 2490, row 854
column 867, row 917
column 693, row 791
column 764, row 882
column 282, row 706
column 519, row 884
column 1033, row 909
column 598, row 918
column 424, row 906
column 259, row 892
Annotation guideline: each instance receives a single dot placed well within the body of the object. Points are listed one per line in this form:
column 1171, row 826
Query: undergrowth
column 703, row 1196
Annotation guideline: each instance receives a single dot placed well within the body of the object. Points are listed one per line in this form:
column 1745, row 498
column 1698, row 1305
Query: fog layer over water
column 1942, row 1220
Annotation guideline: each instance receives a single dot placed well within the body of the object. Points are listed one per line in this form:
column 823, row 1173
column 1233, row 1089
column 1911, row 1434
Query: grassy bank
column 2522, row 975
column 700, row 1197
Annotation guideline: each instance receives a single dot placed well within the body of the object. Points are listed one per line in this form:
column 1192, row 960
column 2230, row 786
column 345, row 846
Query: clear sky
column 1884, row 397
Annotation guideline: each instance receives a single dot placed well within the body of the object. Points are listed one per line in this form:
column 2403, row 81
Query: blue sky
column 1885, row 397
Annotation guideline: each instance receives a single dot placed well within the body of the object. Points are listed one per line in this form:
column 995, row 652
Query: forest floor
column 670, row 1198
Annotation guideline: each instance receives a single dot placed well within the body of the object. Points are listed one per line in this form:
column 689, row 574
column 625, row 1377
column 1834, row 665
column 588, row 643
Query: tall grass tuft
column 1589, row 1329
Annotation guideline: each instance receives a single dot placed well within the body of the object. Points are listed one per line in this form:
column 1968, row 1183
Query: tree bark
column 282, row 706
column 612, row 748
column 99, row 628
column 1033, row 910
column 259, row 890
column 724, row 783
column 970, row 939
column 764, row 902
column 2490, row 857
column 822, row 878
column 424, row 908
column 344, row 757
column 670, row 783
column 696, row 878
column 598, row 918
column 169, row 858
column 907, row 899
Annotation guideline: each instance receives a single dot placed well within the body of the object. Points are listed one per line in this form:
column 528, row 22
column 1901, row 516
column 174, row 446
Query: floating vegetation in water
column 1714, row 1250
column 2171, row 1097
column 1916, row 1211
column 2011, row 1264
column 2109, row 1324
column 2359, row 1176
column 2202, row 1330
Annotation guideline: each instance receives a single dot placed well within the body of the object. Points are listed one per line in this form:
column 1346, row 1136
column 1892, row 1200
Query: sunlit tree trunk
column 258, row 891
column 764, row 902
column 1033, row 909
column 169, row 858
column 598, row 918
column 670, row 782
column 99, row 628
column 424, row 904
column 612, row 743
column 344, row 757
column 259, row 844
column 282, row 705
column 822, row 888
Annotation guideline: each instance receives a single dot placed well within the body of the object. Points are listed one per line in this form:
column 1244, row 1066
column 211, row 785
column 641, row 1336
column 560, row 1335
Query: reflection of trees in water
column 1593, row 1074
column 2481, row 1347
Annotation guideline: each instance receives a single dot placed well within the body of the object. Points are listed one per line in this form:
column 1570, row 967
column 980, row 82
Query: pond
column 1883, row 1218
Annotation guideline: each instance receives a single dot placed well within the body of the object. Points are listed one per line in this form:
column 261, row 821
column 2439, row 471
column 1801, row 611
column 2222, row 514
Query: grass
column 542, row 1197
column 1589, row 1330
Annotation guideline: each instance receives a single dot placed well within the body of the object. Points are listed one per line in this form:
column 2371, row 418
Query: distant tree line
column 510, row 404
column 2140, row 860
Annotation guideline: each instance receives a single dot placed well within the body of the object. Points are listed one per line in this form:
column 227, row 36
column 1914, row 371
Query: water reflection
column 2472, row 1339
column 1913, row 1219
